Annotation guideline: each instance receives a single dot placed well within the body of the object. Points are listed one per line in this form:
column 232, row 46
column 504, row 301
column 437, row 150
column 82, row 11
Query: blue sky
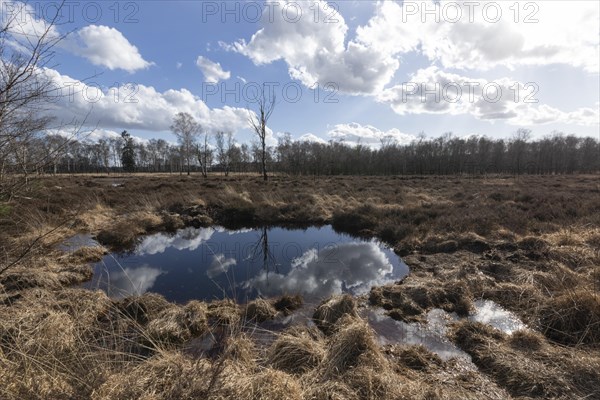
column 368, row 50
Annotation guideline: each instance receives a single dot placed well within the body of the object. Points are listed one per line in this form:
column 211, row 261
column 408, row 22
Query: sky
column 352, row 71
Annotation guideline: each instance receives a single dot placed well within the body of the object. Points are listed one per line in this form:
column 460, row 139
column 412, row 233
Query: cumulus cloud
column 101, row 45
column 107, row 47
column 92, row 135
column 212, row 70
column 309, row 137
column 365, row 61
column 433, row 91
column 367, row 135
column 315, row 50
column 354, row 267
column 137, row 106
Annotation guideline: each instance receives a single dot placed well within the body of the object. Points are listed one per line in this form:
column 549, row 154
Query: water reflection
column 127, row 282
column 348, row 267
column 432, row 334
column 488, row 312
column 220, row 265
column 213, row 263
column 185, row 239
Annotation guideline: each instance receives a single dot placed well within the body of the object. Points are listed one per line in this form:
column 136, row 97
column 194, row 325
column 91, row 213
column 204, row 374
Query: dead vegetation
column 529, row 244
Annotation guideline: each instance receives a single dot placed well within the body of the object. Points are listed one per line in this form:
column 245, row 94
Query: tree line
column 220, row 153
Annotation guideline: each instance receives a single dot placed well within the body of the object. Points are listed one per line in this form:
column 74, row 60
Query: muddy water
column 215, row 263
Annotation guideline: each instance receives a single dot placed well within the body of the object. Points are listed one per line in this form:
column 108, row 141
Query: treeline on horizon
column 446, row 155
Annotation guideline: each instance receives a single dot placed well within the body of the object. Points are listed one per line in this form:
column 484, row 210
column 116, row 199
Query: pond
column 215, row 263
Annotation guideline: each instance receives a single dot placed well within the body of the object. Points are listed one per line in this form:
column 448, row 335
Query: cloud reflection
column 184, row 239
column 353, row 267
column 219, row 265
column 132, row 281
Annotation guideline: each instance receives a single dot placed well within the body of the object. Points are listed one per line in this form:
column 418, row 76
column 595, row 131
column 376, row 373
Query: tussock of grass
column 415, row 357
column 295, row 352
column 512, row 369
column 288, row 304
column 273, row 384
column 165, row 376
column 223, row 312
column 143, row 308
column 572, row 318
column 259, row 310
column 330, row 390
column 331, row 310
column 410, row 301
column 240, row 349
column 352, row 344
column 88, row 254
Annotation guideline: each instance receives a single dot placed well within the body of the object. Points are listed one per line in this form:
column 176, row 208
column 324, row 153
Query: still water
column 215, row 263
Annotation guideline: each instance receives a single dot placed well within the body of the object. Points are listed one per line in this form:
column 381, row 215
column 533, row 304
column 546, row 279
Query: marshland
column 536, row 258
column 363, row 200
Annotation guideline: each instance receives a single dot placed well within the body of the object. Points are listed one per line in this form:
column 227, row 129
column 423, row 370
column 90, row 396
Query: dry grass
column 548, row 372
column 331, row 310
column 296, row 352
column 572, row 318
column 259, row 310
column 529, row 244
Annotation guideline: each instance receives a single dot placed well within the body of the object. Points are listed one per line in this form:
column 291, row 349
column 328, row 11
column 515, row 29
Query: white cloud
column 364, row 63
column 138, row 107
column 25, row 28
column 101, row 45
column 315, row 50
column 432, row 91
column 479, row 43
column 93, row 135
column 309, row 137
column 367, row 135
column 105, row 46
column 212, row 70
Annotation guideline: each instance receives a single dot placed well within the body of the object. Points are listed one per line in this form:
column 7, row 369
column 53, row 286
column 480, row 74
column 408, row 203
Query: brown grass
column 296, row 352
column 529, row 244
column 259, row 310
column 331, row 310
column 572, row 318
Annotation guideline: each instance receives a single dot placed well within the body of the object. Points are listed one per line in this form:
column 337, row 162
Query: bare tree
column 205, row 156
column 187, row 129
column 25, row 90
column 258, row 122
column 224, row 142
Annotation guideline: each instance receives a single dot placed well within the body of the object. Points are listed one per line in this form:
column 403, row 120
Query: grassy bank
column 530, row 244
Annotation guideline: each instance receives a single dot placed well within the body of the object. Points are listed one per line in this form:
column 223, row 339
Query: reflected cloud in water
column 130, row 281
column 184, row 239
column 213, row 263
column 220, row 265
column 354, row 267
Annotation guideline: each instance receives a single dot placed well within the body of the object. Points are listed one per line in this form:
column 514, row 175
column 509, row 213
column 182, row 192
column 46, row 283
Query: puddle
column 215, row 263
column 432, row 334
column 78, row 241
column 488, row 312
